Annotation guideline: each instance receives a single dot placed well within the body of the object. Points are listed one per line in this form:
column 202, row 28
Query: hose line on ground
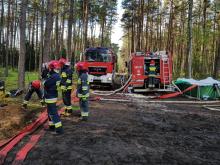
column 112, row 92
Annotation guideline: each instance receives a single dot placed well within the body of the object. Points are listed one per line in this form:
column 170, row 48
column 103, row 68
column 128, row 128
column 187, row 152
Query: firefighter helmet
column 62, row 61
column 67, row 63
column 152, row 62
column 45, row 65
column 36, row 84
column 81, row 67
column 54, row 64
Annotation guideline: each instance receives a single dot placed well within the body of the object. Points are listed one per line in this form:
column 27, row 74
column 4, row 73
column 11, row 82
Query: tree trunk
column 146, row 28
column 21, row 61
column 57, row 31
column 189, row 50
column 41, row 36
column 36, row 43
column 1, row 22
column 48, row 30
column 62, row 32
column 69, row 35
column 203, row 68
column 7, row 38
column 217, row 59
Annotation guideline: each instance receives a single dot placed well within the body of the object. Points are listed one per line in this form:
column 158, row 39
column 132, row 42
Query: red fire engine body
column 101, row 63
column 138, row 68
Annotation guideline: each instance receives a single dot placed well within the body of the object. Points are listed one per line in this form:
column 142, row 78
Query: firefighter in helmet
column 83, row 90
column 34, row 86
column 50, row 93
column 152, row 74
column 66, row 85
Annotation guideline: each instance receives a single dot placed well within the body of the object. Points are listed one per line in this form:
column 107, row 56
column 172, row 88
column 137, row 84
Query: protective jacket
column 50, row 87
column 83, row 86
column 66, row 78
column 152, row 71
column 44, row 73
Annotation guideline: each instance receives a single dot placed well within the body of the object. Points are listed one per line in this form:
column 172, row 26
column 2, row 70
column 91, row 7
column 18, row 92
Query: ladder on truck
column 166, row 74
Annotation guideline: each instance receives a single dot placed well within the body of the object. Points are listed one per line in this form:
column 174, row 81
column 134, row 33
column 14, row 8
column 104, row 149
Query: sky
column 117, row 31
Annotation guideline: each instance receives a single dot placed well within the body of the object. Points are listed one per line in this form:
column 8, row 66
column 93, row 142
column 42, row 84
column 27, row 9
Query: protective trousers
column 53, row 115
column 151, row 82
column 84, row 107
column 66, row 94
column 31, row 90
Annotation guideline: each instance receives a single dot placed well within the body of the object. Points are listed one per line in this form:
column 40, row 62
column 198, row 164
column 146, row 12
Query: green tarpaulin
column 207, row 89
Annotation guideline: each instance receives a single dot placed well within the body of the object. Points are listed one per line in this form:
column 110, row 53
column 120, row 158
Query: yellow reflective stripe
column 68, row 81
column 84, row 113
column 58, row 83
column 57, row 125
column 53, row 100
column 152, row 75
column 152, row 68
column 79, row 81
column 63, row 74
column 62, row 87
column 84, row 88
column 87, row 82
column 69, row 87
column 81, row 95
column 68, row 107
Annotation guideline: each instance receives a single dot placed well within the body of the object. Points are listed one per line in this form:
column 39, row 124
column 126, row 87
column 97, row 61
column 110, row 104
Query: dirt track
column 119, row 133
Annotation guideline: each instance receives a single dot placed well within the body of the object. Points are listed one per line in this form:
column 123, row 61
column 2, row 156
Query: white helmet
column 45, row 65
column 67, row 63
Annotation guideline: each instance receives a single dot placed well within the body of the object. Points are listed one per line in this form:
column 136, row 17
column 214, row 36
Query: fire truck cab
column 101, row 64
column 138, row 68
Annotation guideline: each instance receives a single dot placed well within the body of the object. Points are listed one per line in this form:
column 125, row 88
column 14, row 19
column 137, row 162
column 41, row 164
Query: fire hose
column 113, row 92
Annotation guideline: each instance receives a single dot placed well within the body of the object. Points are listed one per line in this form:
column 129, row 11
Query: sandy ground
column 14, row 118
column 126, row 133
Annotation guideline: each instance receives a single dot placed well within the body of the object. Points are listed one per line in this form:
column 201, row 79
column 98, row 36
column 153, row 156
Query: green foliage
column 12, row 79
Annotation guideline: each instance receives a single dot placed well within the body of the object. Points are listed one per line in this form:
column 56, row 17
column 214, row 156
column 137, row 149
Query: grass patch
column 11, row 82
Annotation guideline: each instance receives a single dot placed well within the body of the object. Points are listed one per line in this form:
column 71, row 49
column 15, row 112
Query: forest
column 164, row 25
column 39, row 30
column 110, row 82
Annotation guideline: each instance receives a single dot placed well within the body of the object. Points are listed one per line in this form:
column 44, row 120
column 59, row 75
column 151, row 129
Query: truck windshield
column 95, row 56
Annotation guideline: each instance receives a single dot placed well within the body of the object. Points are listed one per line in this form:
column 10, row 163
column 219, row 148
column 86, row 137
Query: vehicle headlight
column 109, row 78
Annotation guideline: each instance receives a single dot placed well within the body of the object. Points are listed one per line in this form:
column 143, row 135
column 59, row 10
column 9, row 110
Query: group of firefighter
column 59, row 74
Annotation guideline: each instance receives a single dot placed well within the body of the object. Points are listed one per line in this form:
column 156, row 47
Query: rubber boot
column 51, row 128
column 58, row 131
column 83, row 118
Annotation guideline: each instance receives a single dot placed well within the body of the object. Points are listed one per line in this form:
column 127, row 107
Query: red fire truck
column 101, row 64
column 138, row 68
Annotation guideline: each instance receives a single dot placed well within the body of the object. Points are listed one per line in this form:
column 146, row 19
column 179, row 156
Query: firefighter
column 152, row 74
column 14, row 93
column 66, row 85
column 83, row 90
column 44, row 71
column 50, row 93
column 34, row 86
